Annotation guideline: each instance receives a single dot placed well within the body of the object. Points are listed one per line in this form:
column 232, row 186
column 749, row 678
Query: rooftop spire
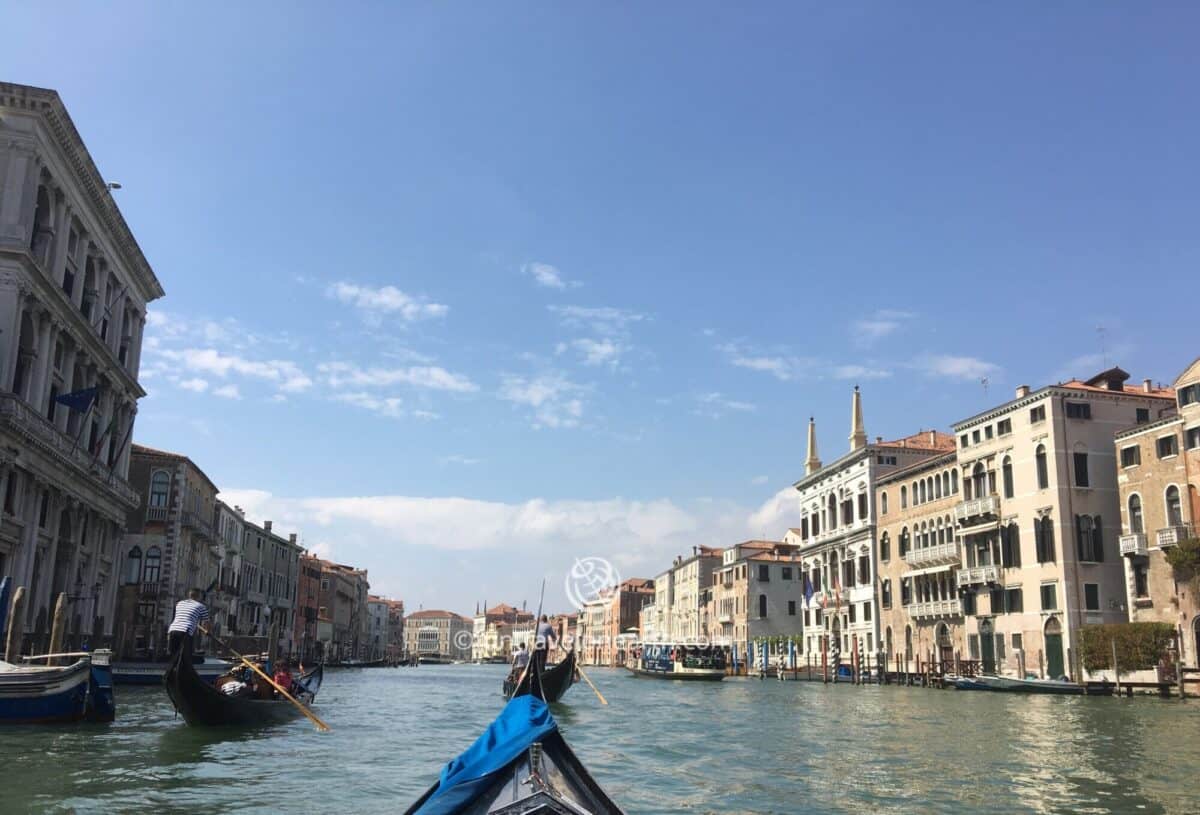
column 813, row 462
column 858, row 434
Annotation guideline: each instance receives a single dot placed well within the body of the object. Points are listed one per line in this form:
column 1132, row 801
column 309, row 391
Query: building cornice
column 49, row 106
column 1053, row 390
column 1138, row 430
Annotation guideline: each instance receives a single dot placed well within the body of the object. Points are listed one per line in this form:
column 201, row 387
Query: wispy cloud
column 596, row 352
column 555, row 401
column 389, row 406
column 603, row 320
column 779, row 363
column 715, row 405
column 859, row 372
column 431, row 377
column 377, row 303
column 196, row 384
column 286, row 375
column 465, row 461
column 967, row 369
column 548, row 276
column 759, row 480
column 228, row 392
column 882, row 323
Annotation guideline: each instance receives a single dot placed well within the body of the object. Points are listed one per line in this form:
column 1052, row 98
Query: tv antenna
column 984, row 382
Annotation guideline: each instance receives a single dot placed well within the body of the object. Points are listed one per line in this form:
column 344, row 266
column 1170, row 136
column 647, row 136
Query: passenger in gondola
column 283, row 676
column 544, row 637
column 188, row 614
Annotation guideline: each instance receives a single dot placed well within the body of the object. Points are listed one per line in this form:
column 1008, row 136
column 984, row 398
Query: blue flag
column 808, row 591
column 78, row 400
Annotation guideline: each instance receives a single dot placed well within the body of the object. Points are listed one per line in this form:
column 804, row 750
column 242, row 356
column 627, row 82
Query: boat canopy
column 524, row 720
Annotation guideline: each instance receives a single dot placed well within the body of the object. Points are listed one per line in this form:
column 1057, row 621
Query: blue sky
column 461, row 292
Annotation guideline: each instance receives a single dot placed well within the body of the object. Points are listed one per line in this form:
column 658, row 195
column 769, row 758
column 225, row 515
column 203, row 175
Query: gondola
column 520, row 765
column 555, row 680
column 201, row 704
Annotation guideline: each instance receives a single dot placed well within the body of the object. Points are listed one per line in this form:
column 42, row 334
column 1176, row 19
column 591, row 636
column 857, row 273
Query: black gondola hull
column 201, row 704
column 555, row 680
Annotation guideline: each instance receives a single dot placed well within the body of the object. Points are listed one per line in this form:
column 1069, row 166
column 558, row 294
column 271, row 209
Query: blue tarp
column 523, row 721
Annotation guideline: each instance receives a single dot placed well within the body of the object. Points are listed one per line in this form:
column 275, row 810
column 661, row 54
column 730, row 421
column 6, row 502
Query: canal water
column 730, row 747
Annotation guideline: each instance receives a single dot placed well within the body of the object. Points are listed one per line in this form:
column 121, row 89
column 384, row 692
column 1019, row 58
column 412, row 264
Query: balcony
column 156, row 514
column 1134, row 544
column 197, row 523
column 1172, row 535
column 725, row 619
column 978, row 575
column 977, row 510
column 935, row 608
column 940, row 555
column 27, row 423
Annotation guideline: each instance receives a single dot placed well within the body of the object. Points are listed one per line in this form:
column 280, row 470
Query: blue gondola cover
column 524, row 720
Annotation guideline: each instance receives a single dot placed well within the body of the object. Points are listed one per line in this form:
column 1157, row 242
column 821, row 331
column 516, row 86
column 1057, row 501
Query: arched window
column 929, row 481
column 1135, row 514
column 903, row 541
column 1007, row 475
column 924, row 497
column 832, row 512
column 1174, row 510
column 979, row 483
column 908, row 644
column 885, row 592
column 883, row 503
column 945, row 483
column 133, row 566
column 916, row 494
column 954, row 482
column 160, row 486
column 150, row 572
column 762, row 605
column 937, row 486
column 885, row 547
column 903, row 497
column 1043, row 472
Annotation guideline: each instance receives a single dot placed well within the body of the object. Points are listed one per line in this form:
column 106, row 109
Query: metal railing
column 191, row 519
column 977, row 507
column 1134, row 544
column 934, row 555
column 156, row 513
column 1172, row 535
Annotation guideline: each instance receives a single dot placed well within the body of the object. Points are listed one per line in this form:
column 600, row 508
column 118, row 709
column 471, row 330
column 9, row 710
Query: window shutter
column 1079, row 536
column 1097, row 540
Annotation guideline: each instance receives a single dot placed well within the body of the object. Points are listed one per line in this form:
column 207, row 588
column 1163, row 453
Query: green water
column 734, row 746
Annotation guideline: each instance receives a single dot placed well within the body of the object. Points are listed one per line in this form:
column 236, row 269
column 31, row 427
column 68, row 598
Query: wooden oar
column 312, row 716
column 599, row 695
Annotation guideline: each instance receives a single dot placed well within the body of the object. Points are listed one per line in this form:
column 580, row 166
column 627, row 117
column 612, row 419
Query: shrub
column 1185, row 558
column 1139, row 645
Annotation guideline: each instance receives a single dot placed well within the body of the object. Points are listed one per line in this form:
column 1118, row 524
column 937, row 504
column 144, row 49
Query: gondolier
column 188, row 614
column 541, row 644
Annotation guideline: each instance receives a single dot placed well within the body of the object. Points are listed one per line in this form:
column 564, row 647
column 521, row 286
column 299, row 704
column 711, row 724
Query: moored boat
column 556, row 679
column 520, row 765
column 683, row 662
column 151, row 673
column 1009, row 684
column 202, row 704
column 46, row 693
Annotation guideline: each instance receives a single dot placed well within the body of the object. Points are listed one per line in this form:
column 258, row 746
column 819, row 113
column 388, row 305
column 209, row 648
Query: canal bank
column 733, row 746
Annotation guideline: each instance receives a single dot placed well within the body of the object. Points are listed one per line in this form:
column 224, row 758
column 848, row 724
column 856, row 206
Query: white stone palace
column 73, row 292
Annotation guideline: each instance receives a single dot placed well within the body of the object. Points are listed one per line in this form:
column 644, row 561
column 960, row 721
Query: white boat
column 1011, row 684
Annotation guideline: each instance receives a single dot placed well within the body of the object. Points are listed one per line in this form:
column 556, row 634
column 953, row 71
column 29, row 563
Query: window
column 50, row 411
column 1043, row 529
column 987, row 432
column 1131, row 456
column 867, row 612
column 764, row 573
column 1010, row 546
column 1037, row 414
column 903, row 497
column 10, row 493
column 864, row 570
column 903, row 541
column 885, row 594
column 44, row 511
column 150, row 572
column 968, row 603
column 1143, row 415
column 1188, row 395
column 962, row 441
column 852, row 613
column 1091, row 596
column 1049, row 597
column 1018, row 642
column 862, row 506
column 1081, row 470
column 1135, row 514
column 1043, row 472
column 975, row 436
column 1004, row 427
column 133, row 566
column 762, row 605
column 1007, row 475
column 1141, row 584
column 973, row 645
column 883, row 503
column 786, row 573
column 1079, row 410
column 1192, row 436
column 1174, row 511
column 1013, row 604
column 1167, row 446
column 145, row 612
column 791, row 608
column 1089, row 539
column 905, row 590
column 996, row 596
column 160, row 485
column 885, row 547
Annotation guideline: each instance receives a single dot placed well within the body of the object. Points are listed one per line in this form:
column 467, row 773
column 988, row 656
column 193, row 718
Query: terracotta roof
column 433, row 613
column 637, row 584
column 921, row 440
column 1154, row 392
column 760, row 544
column 784, row 557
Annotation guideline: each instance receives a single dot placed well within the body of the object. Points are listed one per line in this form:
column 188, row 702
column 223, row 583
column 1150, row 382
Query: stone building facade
column 73, row 292
column 1158, row 475
column 1039, row 518
column 438, row 635
column 308, row 606
column 758, row 592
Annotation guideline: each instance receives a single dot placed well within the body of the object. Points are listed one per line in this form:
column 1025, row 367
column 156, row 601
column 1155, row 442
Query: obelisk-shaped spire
column 858, row 434
column 813, row 462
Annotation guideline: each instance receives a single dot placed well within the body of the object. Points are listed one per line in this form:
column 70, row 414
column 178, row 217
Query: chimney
column 1022, row 391
column 1146, row 386
column 267, row 526
column 932, row 438
column 879, row 439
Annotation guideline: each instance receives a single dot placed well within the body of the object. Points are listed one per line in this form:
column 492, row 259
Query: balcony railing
column 1134, row 544
column 977, row 509
column 725, row 618
column 975, row 575
column 156, row 513
column 936, row 608
column 1172, row 535
column 938, row 555
column 27, row 422
column 191, row 519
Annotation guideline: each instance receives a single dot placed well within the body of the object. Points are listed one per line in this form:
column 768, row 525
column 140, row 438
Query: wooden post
column 58, row 626
column 1116, row 668
column 1179, row 661
column 824, row 661
column 1041, row 665
column 16, row 625
column 854, row 675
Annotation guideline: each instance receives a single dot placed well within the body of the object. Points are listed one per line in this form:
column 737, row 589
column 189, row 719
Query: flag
column 808, row 591
column 112, row 425
column 78, row 400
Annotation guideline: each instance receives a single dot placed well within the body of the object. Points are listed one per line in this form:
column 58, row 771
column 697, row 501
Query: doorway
column 987, row 645
column 1054, row 649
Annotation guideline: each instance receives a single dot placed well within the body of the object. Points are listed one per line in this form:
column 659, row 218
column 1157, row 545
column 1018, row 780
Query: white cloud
column 554, row 399
column 954, row 367
column 385, row 301
column 604, row 352
column 286, row 375
column 430, row 377
column 389, row 406
column 859, row 372
column 778, row 362
column 715, row 405
column 457, row 459
column 198, row 385
column 759, row 479
column 776, row 515
column 228, row 392
column 547, row 276
column 778, row 367
column 883, row 322
column 603, row 320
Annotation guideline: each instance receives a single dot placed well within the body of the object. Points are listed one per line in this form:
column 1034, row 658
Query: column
column 135, row 358
column 40, row 372
column 10, row 330
column 19, row 198
column 57, row 257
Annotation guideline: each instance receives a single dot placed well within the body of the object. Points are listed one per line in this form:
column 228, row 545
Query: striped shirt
column 188, row 614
